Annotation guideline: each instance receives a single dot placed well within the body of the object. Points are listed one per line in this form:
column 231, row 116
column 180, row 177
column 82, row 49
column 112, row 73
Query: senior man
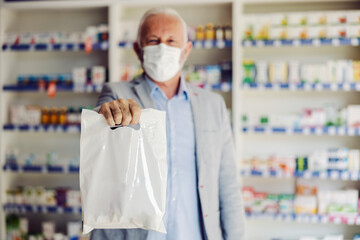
column 203, row 197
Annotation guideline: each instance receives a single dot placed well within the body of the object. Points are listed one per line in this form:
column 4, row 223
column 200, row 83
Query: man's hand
column 121, row 111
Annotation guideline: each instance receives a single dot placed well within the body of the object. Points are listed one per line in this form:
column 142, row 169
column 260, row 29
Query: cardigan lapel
column 196, row 110
column 142, row 91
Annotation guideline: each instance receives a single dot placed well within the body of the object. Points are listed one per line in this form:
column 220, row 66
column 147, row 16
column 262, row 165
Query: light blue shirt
column 182, row 214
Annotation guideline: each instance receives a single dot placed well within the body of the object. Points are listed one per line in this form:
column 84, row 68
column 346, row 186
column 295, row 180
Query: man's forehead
column 162, row 22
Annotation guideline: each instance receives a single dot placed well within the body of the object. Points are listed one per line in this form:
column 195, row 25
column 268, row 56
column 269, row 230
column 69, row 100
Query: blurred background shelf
column 42, row 128
column 318, row 131
column 205, row 44
column 303, row 86
column 24, row 208
column 41, row 169
column 305, row 218
column 307, row 174
column 54, row 47
column 70, row 88
column 303, row 42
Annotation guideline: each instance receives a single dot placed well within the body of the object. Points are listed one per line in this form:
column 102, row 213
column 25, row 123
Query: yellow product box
column 356, row 71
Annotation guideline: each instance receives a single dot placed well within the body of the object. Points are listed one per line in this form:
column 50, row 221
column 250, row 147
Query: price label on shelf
column 335, row 42
column 323, row 175
column 318, row 87
column 307, row 174
column 334, row 87
column 60, row 210
column 225, row 87
column 314, row 219
column 22, row 209
column 334, row 175
column 351, row 131
column 319, row 131
column 337, row 220
column 276, row 86
column 354, row 41
column 296, row 43
column 341, row 131
column 76, row 47
column 346, row 87
column 350, row 221
column 220, row 44
column 292, row 87
column 63, row 47
column 345, row 175
column 307, row 87
column 247, row 43
column 354, row 176
column 260, row 43
column 198, row 44
column 332, row 131
column 208, row 44
column 288, row 218
column 277, row 43
column 289, row 130
column 324, row 219
column 128, row 44
column 316, row 42
column 357, row 221
column 306, row 131
column 104, row 45
column 268, row 130
column 357, row 86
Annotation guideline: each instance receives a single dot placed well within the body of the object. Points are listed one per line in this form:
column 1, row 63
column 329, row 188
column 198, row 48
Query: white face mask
column 161, row 62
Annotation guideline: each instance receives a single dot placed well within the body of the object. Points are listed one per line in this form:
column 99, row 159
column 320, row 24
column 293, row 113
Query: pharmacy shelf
column 25, row 208
column 307, row 174
column 54, row 47
column 302, row 42
column 60, row 88
column 14, row 168
column 306, row 218
column 205, row 44
column 303, row 86
column 223, row 87
column 319, row 131
column 43, row 128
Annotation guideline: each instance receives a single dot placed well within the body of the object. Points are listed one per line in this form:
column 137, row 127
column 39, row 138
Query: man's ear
column 188, row 48
column 138, row 51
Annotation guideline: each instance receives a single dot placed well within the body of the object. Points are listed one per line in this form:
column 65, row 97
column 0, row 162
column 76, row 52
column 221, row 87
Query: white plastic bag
column 123, row 172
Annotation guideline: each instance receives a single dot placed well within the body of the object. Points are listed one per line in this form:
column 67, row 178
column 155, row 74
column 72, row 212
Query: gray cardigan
column 218, row 176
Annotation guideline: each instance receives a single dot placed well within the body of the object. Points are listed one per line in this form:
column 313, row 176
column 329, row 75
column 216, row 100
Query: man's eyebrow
column 152, row 35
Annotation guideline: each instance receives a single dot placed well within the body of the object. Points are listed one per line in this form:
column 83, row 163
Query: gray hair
column 157, row 11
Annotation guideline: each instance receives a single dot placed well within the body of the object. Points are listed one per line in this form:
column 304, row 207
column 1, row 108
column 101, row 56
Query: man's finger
column 126, row 116
column 116, row 112
column 108, row 115
column 135, row 111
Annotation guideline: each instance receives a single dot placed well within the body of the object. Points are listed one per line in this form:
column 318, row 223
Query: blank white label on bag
column 123, row 172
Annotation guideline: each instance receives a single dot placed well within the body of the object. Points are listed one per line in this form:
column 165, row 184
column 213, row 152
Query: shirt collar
column 183, row 90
